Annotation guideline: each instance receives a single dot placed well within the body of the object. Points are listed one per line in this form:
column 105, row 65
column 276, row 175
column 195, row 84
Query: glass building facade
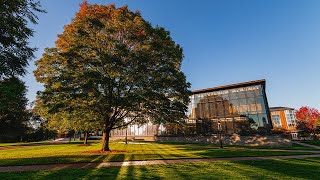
column 235, row 108
column 238, row 108
column 147, row 129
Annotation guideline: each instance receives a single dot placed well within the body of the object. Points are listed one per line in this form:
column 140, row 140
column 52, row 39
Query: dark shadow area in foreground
column 261, row 169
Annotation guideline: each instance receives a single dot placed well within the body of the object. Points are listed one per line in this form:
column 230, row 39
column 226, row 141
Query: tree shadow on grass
column 81, row 142
column 184, row 171
column 81, row 173
column 159, row 156
column 48, row 160
column 212, row 170
column 106, row 172
column 130, row 172
column 46, row 143
column 309, row 160
column 247, row 171
column 293, row 168
column 18, row 146
column 87, row 172
column 230, row 152
column 139, row 172
column 99, row 158
column 146, row 174
column 117, row 158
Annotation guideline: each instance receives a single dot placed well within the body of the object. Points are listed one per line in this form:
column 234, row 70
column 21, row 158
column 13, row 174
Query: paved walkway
column 308, row 145
column 140, row 163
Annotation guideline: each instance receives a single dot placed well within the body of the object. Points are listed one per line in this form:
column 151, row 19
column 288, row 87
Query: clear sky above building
column 224, row 42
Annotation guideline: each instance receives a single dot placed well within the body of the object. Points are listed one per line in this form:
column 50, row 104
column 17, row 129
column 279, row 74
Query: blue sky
column 224, row 42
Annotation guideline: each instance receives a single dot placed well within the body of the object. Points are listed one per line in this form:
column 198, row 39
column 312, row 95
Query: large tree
column 14, row 34
column 113, row 63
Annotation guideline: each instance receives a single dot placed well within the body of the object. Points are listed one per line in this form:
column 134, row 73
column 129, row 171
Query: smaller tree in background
column 13, row 112
column 307, row 121
column 37, row 129
column 77, row 120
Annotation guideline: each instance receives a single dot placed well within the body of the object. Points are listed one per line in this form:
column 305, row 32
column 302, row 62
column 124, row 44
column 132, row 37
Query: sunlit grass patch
column 74, row 152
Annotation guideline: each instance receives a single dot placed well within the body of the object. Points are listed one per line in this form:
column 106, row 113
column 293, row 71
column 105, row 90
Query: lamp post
column 220, row 134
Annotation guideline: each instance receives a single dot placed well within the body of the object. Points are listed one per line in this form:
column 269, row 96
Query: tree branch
column 126, row 124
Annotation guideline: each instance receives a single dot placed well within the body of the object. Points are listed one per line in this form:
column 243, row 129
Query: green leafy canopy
column 15, row 51
column 112, row 63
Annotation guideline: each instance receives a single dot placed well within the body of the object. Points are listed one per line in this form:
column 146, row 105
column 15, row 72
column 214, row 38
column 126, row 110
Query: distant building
column 233, row 108
column 284, row 118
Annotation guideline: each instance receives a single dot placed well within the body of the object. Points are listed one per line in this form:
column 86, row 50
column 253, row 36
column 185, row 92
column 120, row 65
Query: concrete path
column 308, row 145
column 140, row 163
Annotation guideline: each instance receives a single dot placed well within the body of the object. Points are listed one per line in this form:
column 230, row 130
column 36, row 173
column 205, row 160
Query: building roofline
column 280, row 108
column 242, row 84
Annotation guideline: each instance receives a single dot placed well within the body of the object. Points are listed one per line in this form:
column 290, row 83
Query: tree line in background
column 15, row 53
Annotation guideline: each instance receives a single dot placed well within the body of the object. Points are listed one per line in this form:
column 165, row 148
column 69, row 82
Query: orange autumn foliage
column 99, row 15
column 307, row 119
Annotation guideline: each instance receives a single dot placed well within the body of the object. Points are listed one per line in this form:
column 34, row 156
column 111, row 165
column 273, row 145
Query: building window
column 294, row 135
column 291, row 120
column 276, row 120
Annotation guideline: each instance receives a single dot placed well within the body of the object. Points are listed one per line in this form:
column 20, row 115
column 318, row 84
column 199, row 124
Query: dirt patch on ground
column 104, row 152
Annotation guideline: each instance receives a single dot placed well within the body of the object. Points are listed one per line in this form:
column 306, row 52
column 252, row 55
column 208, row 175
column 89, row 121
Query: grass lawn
column 3, row 145
column 70, row 153
column 313, row 142
column 261, row 169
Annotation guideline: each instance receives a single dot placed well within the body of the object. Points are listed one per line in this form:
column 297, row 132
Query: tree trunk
column 74, row 136
column 85, row 137
column 127, row 135
column 105, row 140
